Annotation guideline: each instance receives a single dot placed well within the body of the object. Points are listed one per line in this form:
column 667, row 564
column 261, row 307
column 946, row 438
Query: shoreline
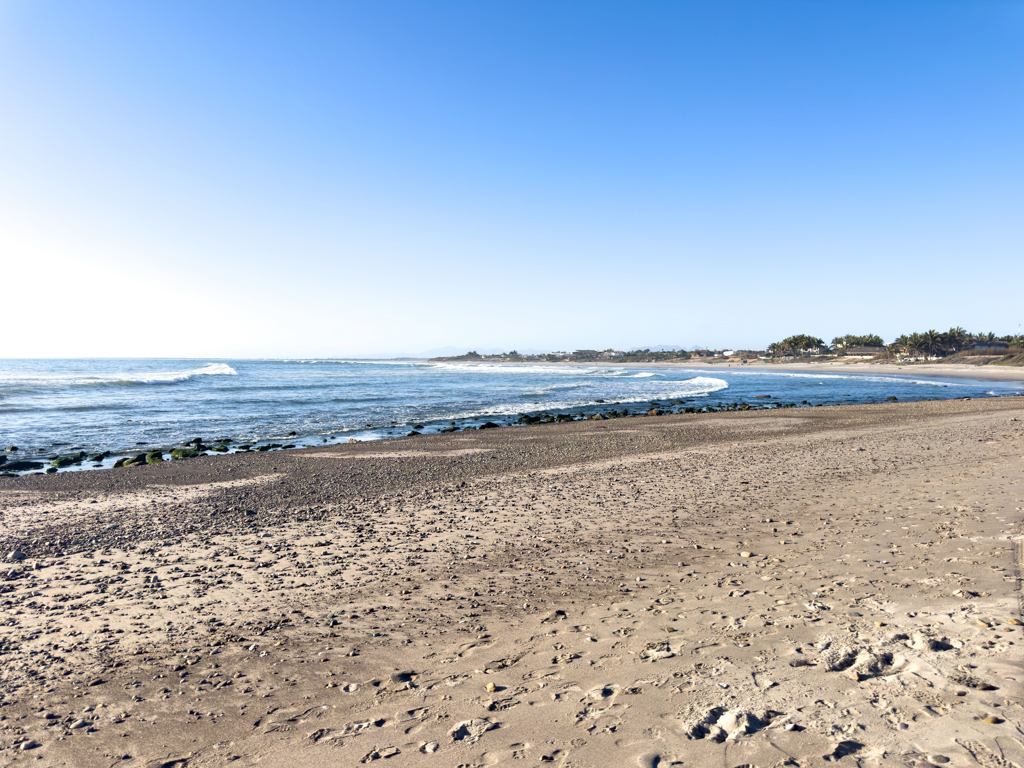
column 546, row 594
column 937, row 371
column 77, row 460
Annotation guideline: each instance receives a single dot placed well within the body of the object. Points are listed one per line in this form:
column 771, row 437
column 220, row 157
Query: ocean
column 51, row 408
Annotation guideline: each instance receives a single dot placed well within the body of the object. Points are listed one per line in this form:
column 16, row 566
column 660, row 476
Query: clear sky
column 213, row 178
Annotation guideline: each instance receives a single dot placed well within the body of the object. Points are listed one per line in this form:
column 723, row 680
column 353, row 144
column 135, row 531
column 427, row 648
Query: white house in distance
column 864, row 353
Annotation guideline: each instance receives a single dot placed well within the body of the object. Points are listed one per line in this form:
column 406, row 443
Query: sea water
column 55, row 407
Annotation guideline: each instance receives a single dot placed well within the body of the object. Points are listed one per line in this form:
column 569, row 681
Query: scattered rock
column 22, row 466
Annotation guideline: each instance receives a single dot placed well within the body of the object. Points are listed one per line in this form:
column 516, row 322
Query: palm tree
column 931, row 342
column 902, row 344
column 956, row 339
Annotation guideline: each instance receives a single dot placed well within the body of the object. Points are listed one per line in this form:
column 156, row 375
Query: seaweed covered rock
column 22, row 466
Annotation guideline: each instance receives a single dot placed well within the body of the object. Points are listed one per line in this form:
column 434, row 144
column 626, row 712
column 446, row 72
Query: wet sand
column 801, row 587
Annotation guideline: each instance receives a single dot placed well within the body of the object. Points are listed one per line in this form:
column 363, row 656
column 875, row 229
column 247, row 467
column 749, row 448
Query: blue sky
column 327, row 178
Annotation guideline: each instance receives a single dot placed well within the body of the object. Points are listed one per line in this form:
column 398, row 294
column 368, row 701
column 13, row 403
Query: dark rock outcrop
column 22, row 466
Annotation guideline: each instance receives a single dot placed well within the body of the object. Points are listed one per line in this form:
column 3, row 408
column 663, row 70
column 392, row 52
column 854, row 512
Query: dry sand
column 868, row 367
column 792, row 588
column 844, row 365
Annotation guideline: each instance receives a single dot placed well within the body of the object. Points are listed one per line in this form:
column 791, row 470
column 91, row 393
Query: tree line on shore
column 930, row 343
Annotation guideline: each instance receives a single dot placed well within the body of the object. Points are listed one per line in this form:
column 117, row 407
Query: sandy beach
column 860, row 367
column 800, row 587
column 922, row 370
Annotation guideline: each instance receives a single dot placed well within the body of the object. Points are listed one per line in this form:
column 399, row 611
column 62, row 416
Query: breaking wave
column 43, row 383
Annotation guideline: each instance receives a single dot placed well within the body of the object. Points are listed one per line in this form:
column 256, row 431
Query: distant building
column 585, row 353
column 861, row 351
column 728, row 352
column 993, row 345
column 612, row 355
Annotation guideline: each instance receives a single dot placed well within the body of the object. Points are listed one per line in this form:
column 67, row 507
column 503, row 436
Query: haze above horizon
column 313, row 179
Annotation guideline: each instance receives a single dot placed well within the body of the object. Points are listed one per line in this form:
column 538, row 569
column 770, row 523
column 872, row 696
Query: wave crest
column 141, row 378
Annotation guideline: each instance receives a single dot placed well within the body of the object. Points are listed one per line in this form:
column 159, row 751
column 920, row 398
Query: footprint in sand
column 654, row 760
column 471, row 731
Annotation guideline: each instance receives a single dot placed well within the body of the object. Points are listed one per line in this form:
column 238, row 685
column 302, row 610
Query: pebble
column 938, row 759
column 491, row 687
column 16, row 556
column 992, row 720
column 746, row 554
column 27, row 745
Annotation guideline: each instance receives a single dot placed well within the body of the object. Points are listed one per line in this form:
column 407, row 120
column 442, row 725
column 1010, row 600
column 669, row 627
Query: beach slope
column 801, row 587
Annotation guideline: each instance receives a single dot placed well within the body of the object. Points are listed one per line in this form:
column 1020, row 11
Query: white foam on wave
column 699, row 386
column 139, row 377
column 551, row 370
column 554, row 388
column 555, row 370
column 856, row 377
column 210, row 369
